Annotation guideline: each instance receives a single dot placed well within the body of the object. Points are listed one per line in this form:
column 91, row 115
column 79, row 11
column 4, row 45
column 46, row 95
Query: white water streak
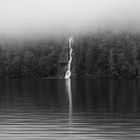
column 68, row 81
column 69, row 95
column 68, row 72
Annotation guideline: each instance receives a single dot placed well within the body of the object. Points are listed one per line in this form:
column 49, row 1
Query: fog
column 56, row 17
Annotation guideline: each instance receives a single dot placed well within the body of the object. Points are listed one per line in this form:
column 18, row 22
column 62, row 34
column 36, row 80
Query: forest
column 107, row 55
column 29, row 58
column 100, row 55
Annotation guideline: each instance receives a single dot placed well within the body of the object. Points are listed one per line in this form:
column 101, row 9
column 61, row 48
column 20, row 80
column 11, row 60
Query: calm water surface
column 63, row 109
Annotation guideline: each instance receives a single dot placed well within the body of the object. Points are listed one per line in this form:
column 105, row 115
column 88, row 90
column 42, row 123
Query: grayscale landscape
column 69, row 70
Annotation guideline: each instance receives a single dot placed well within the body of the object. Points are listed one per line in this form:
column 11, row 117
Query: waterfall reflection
column 69, row 93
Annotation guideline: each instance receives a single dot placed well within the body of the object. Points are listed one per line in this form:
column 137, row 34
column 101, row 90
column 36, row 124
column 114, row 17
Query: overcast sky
column 22, row 17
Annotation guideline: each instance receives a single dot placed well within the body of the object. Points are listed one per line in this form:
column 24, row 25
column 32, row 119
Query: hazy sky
column 25, row 17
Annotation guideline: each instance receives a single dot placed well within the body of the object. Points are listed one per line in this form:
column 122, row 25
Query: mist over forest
column 106, row 38
column 97, row 55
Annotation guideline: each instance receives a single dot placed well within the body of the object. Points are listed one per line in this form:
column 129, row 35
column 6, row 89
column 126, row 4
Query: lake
column 77, row 109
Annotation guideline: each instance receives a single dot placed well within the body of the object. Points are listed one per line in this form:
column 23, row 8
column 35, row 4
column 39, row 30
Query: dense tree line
column 29, row 59
column 107, row 55
column 102, row 55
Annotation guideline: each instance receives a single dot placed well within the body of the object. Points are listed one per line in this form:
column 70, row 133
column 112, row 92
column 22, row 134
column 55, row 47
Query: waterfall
column 68, row 80
column 68, row 72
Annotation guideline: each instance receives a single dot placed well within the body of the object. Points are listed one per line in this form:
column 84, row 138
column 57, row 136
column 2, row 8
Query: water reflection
column 106, row 96
column 65, row 109
column 69, row 92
